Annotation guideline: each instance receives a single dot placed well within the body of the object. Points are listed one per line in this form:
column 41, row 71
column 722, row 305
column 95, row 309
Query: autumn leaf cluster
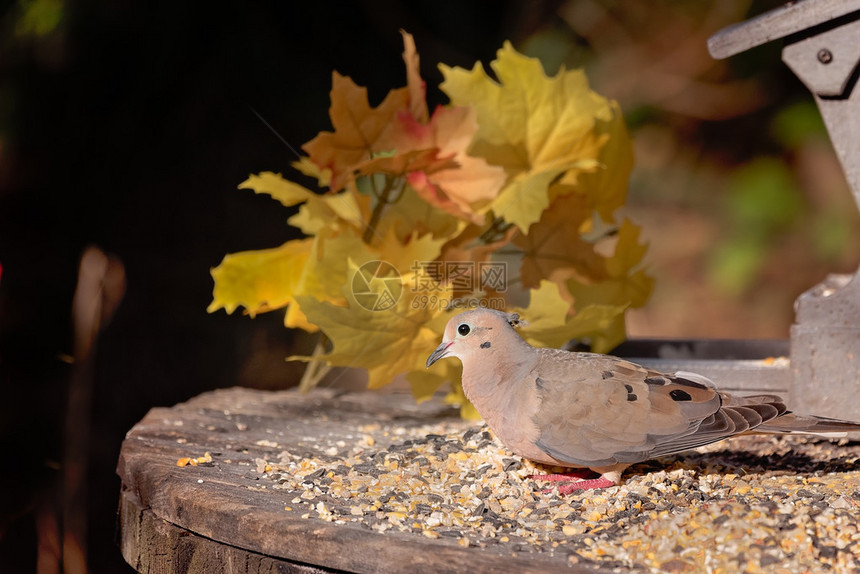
column 520, row 173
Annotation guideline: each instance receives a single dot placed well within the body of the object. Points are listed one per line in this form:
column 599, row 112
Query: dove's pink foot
column 575, row 480
column 585, row 485
column 581, row 474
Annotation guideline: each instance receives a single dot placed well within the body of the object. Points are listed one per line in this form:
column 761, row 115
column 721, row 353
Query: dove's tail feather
column 757, row 414
column 786, row 421
column 737, row 415
column 793, row 423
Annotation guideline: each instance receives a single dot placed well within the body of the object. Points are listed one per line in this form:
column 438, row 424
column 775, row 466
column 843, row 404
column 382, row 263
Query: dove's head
column 473, row 331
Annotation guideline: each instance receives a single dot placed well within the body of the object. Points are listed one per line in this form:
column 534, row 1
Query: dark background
column 128, row 125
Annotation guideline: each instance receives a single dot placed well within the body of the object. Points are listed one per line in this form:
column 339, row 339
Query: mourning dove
column 598, row 413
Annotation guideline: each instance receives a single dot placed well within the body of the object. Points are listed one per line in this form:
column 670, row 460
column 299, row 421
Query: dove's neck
column 496, row 370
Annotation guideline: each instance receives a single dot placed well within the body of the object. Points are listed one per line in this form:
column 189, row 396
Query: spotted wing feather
column 629, row 413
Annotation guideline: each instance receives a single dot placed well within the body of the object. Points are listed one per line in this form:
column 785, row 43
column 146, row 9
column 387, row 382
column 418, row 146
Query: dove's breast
column 508, row 403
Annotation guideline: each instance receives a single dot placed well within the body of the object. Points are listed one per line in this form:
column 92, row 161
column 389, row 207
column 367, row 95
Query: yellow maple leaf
column 544, row 115
column 475, row 244
column 551, row 322
column 622, row 284
column 606, row 186
column 260, row 280
column 327, row 270
column 538, row 128
column 417, row 87
column 553, row 248
column 527, row 196
column 628, row 251
column 546, row 309
column 411, row 214
column 283, row 190
column 415, row 250
column 319, row 213
column 270, row 279
column 310, row 169
column 317, row 210
column 632, row 290
column 386, row 342
column 357, row 128
column 425, row 383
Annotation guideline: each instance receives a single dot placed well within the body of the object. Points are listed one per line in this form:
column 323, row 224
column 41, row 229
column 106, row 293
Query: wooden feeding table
column 263, row 500
column 371, row 482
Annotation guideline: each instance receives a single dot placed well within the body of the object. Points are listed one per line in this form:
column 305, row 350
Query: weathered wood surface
column 219, row 518
column 791, row 18
column 159, row 547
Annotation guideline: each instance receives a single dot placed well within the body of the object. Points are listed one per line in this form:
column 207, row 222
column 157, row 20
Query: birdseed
column 754, row 504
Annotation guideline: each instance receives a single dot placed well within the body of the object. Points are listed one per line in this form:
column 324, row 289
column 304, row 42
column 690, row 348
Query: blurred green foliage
column 765, row 202
column 38, row 17
column 762, row 201
column 796, row 123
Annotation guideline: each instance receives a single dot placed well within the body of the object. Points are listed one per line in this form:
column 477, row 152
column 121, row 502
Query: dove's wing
column 596, row 410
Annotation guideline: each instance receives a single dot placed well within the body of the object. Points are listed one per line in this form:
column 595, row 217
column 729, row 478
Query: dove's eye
column 463, row 329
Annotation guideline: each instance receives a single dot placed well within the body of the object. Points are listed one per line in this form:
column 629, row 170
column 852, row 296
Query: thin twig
column 390, row 193
column 315, row 369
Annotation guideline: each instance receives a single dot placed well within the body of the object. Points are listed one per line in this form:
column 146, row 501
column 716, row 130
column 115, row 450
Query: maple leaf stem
column 495, row 231
column 392, row 192
column 315, row 370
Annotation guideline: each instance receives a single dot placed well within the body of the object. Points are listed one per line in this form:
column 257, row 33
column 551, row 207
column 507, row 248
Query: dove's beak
column 440, row 353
